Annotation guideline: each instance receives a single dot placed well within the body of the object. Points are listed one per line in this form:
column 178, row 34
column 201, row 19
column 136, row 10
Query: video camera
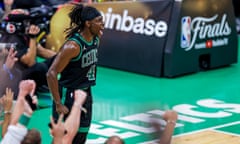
column 17, row 23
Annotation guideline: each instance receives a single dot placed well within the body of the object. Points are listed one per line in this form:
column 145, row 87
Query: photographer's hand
column 33, row 31
column 29, row 58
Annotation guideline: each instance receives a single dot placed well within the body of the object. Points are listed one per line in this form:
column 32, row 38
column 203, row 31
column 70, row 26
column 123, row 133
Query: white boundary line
column 224, row 132
column 210, row 128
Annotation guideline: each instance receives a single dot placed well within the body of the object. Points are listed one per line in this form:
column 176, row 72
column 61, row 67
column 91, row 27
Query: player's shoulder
column 70, row 47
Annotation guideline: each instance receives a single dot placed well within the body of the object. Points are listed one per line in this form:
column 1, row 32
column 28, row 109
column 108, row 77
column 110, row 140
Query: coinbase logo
column 127, row 23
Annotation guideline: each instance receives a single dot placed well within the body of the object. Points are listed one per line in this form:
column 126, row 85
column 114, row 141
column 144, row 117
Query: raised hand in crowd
column 17, row 131
column 11, row 58
column 8, row 77
column 57, row 130
column 6, row 101
column 26, row 87
column 63, row 133
column 165, row 135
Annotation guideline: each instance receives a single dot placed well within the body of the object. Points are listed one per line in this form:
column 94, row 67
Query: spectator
column 6, row 101
column 165, row 136
column 114, row 140
column 17, row 130
column 10, row 77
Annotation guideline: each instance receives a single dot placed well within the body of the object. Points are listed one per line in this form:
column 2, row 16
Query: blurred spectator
column 165, row 136
column 114, row 140
column 26, row 50
column 10, row 77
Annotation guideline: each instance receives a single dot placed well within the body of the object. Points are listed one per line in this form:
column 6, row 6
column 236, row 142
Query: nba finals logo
column 186, row 32
column 204, row 32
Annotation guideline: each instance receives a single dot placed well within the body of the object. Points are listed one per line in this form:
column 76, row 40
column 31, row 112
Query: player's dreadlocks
column 78, row 16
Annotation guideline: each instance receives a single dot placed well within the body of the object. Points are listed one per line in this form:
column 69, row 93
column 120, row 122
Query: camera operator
column 25, row 35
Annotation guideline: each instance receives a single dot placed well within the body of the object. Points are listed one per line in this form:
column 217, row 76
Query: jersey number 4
column 91, row 73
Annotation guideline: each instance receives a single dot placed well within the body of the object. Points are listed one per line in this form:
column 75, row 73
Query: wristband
column 32, row 35
column 7, row 112
column 171, row 122
column 24, row 120
column 8, row 71
column 81, row 108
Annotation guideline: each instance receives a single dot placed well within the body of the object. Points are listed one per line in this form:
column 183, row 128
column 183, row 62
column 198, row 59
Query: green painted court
column 124, row 104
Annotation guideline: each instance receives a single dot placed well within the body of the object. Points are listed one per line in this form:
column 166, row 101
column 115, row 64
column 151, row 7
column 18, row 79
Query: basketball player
column 76, row 62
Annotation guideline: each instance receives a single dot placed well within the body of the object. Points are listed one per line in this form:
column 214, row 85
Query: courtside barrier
column 166, row 38
column 201, row 36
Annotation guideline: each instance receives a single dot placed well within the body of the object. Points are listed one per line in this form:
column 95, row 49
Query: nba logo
column 186, row 32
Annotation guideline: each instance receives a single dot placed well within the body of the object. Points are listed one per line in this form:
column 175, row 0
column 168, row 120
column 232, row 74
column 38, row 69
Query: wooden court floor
column 207, row 137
